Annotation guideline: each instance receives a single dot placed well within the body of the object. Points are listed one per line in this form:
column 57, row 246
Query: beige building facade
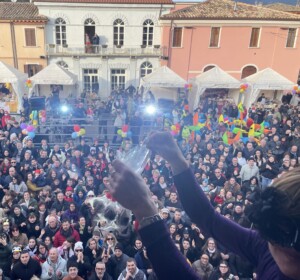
column 22, row 40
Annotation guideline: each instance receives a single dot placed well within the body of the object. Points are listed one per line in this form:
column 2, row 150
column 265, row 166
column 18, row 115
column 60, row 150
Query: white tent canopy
column 213, row 78
column 53, row 74
column 17, row 79
column 163, row 83
column 266, row 79
column 163, row 77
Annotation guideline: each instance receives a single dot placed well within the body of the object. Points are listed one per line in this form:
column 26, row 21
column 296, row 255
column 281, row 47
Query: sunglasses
column 110, row 238
column 15, row 229
column 78, row 250
column 13, row 162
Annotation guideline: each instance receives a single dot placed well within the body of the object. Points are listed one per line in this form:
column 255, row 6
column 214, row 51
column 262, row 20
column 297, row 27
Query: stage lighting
column 150, row 110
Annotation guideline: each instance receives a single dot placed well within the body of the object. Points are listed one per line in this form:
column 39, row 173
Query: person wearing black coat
column 26, row 268
column 5, row 253
column 240, row 267
column 233, row 111
column 269, row 171
column 143, row 263
column 251, row 186
column 83, row 262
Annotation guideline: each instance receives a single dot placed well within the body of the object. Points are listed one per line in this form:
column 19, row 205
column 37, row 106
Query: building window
column 248, row 71
column 62, row 64
column 32, row 69
column 148, row 29
column 118, row 32
column 89, row 21
column 254, row 40
column 117, row 79
column 177, row 37
column 207, row 68
column 90, row 80
column 30, row 40
column 214, row 37
column 291, row 39
column 60, row 31
column 146, row 68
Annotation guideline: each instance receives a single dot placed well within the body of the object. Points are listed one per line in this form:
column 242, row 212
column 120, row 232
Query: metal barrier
column 59, row 130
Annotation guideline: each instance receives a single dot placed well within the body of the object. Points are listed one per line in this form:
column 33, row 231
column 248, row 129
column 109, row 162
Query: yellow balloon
column 81, row 132
column 35, row 122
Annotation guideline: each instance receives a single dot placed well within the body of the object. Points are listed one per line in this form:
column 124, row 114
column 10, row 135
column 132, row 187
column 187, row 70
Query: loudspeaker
column 37, row 103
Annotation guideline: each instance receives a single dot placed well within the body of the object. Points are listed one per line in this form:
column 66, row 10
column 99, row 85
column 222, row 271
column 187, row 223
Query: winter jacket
column 25, row 272
column 59, row 238
column 5, row 253
column 60, row 265
column 269, row 173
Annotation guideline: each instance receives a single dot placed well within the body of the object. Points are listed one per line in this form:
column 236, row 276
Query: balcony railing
column 105, row 51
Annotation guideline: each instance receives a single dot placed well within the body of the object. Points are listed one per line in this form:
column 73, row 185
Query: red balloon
column 125, row 128
column 76, row 128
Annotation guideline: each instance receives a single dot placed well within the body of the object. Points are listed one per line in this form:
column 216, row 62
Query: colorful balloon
column 76, row 128
column 30, row 128
column 23, row 126
column 31, row 134
column 81, row 132
column 74, row 135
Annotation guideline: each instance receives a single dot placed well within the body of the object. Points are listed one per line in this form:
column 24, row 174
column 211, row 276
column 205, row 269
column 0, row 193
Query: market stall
column 163, row 83
column 13, row 87
column 211, row 82
column 54, row 78
column 266, row 81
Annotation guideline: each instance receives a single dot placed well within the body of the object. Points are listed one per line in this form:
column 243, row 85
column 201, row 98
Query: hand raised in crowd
column 80, row 257
column 130, row 190
column 164, row 144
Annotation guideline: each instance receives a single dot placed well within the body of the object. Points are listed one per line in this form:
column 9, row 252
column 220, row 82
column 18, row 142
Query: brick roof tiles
column 226, row 9
column 283, row 7
column 20, row 11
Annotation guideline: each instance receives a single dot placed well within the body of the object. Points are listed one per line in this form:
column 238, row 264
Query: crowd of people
column 49, row 227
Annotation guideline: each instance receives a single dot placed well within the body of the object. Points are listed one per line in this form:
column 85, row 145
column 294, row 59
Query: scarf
column 211, row 251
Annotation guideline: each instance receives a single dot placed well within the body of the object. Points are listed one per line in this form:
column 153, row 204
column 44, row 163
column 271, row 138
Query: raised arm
column 131, row 191
column 237, row 239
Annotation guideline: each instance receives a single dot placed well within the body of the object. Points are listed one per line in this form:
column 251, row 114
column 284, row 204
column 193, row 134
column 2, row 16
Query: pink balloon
column 30, row 128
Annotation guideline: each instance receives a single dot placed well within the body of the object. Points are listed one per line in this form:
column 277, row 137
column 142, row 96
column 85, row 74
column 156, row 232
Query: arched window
column 248, row 71
column 89, row 21
column 60, row 31
column 208, row 68
column 118, row 32
column 146, row 68
column 148, row 27
column 63, row 64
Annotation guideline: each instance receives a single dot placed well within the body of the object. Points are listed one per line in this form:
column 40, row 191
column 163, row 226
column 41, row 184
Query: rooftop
column 20, row 12
column 227, row 9
column 283, row 7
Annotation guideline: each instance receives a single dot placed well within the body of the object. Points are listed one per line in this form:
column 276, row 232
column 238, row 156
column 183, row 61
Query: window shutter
column 214, row 37
column 290, row 43
column 254, row 37
column 30, row 37
column 177, row 36
column 26, row 68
